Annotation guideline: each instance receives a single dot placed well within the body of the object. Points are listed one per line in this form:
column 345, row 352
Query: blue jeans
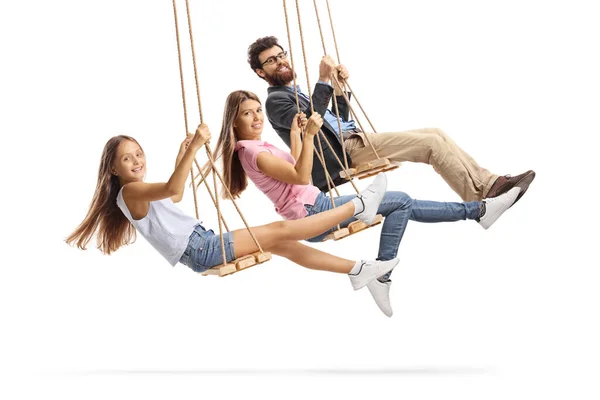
column 397, row 209
column 204, row 249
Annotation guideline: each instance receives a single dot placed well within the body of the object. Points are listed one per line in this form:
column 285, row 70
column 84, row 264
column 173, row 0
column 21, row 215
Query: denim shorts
column 204, row 249
column 323, row 203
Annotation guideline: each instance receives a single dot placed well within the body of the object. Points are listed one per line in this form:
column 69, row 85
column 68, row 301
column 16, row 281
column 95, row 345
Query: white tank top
column 165, row 227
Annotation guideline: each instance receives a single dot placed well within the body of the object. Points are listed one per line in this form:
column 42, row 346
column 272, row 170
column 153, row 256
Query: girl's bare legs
column 274, row 233
column 309, row 257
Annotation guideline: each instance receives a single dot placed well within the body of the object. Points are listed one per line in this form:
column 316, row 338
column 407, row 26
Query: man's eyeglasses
column 273, row 59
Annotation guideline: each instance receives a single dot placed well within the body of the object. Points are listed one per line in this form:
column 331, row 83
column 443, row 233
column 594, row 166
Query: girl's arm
column 282, row 170
column 296, row 135
column 141, row 191
column 182, row 149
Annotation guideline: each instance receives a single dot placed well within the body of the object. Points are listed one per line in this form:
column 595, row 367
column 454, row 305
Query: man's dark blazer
column 281, row 109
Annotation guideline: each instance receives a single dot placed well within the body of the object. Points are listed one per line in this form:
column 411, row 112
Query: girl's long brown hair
column 234, row 175
column 104, row 216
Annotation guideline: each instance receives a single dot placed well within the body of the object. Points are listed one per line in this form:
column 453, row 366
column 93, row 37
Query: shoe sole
column 372, row 291
column 524, row 183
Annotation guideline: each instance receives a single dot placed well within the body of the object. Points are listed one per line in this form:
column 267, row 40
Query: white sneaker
column 381, row 294
column 371, row 270
column 496, row 206
column 371, row 197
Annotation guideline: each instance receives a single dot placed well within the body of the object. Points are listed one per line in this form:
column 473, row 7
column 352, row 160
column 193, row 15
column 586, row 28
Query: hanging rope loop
column 211, row 167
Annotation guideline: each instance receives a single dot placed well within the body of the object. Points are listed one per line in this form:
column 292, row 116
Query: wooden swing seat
column 369, row 169
column 353, row 228
column 238, row 264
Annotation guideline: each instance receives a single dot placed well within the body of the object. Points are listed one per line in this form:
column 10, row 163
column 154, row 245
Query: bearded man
column 432, row 146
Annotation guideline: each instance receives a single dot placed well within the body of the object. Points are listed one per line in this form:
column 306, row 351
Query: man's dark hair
column 258, row 47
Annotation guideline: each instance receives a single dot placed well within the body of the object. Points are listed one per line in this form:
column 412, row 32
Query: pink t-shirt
column 289, row 199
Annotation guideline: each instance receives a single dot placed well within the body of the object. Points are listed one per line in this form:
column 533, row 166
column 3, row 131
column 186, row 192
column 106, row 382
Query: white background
column 510, row 312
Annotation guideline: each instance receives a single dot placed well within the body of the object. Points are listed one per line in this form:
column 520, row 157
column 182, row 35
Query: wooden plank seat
column 375, row 171
column 238, row 264
column 353, row 228
column 369, row 169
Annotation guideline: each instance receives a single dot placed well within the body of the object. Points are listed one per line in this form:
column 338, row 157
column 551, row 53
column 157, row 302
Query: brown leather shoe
column 504, row 183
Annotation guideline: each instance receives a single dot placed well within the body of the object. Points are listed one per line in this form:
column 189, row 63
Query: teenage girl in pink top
column 285, row 179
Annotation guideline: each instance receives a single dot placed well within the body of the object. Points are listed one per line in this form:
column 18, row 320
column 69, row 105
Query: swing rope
column 186, row 121
column 203, row 176
column 337, row 51
column 337, row 82
column 357, row 227
column 321, row 160
column 335, row 102
column 322, row 156
column 336, row 48
column 208, row 150
column 311, row 104
column 342, row 87
column 212, row 167
column 206, row 145
column 184, row 103
column 319, row 24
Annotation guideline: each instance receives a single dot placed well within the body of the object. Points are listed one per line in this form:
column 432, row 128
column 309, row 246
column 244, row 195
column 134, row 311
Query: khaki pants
column 430, row 146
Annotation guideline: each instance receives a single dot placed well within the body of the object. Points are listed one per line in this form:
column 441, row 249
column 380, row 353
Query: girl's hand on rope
column 298, row 123
column 185, row 144
column 201, row 137
column 314, row 124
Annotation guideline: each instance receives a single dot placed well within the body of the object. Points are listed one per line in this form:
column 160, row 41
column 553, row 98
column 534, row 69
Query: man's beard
column 280, row 78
